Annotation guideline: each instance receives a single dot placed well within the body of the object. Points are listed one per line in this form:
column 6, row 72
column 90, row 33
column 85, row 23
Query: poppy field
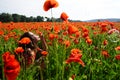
column 74, row 50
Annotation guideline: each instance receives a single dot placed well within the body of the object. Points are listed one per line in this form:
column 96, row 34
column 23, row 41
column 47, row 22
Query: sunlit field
column 75, row 50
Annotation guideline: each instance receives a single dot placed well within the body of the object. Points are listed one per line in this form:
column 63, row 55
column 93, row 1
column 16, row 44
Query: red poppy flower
column 72, row 29
column 25, row 40
column 72, row 37
column 85, row 34
column 52, row 36
column 117, row 57
column 76, row 51
column 84, row 29
column 117, row 48
column 56, row 29
column 44, row 53
column 105, row 54
column 1, row 32
column 5, row 56
column 64, row 16
column 60, row 40
column 11, row 66
column 6, row 37
column 66, row 43
column 75, row 56
column 77, row 34
column 19, row 50
column 76, row 41
column 105, row 42
column 89, row 41
column 103, row 24
column 73, row 77
column 50, row 4
column 104, row 29
column 65, row 33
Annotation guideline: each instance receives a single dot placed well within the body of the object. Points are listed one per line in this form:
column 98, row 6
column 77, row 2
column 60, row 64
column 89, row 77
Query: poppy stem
column 52, row 19
column 41, row 74
column 63, row 66
column 3, row 76
column 51, row 15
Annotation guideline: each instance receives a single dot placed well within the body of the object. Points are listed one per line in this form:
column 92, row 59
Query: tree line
column 6, row 17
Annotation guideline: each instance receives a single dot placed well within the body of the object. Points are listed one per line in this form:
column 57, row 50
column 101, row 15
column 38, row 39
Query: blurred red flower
column 19, row 50
column 56, row 29
column 105, row 54
column 52, row 36
column 44, row 53
column 75, row 56
column 117, row 48
column 117, row 57
column 1, row 32
column 50, row 4
column 72, row 29
column 64, row 16
column 11, row 66
column 76, row 41
column 85, row 34
column 25, row 40
column 77, row 34
column 104, row 24
column 105, row 42
column 89, row 41
column 66, row 43
column 6, row 37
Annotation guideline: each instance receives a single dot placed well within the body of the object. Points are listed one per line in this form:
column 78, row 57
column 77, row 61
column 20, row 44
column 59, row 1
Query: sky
column 75, row 9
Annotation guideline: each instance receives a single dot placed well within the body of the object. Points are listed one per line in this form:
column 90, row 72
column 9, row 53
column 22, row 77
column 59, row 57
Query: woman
column 32, row 51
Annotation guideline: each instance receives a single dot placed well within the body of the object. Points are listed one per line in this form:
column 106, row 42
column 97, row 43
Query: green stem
column 52, row 19
column 3, row 76
column 63, row 66
column 41, row 74
column 56, row 54
column 51, row 15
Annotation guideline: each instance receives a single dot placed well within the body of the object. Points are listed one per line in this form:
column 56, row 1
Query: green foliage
column 6, row 17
